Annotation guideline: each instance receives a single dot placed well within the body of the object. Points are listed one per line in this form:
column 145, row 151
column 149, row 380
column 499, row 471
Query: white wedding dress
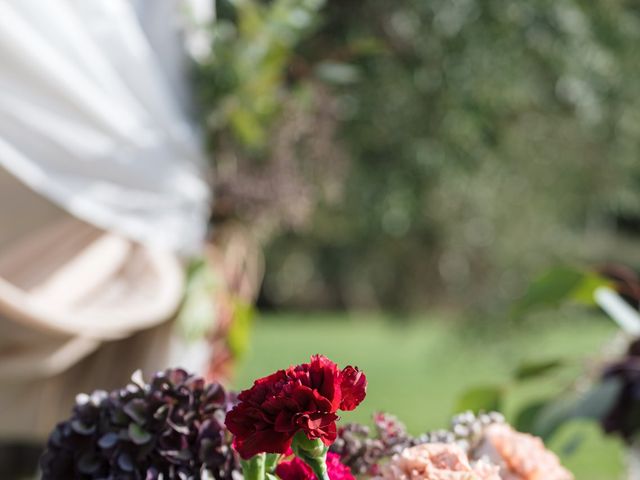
column 90, row 115
column 102, row 186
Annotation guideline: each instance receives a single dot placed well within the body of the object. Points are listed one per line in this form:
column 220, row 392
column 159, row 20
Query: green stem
column 319, row 466
column 271, row 462
column 254, row 468
column 313, row 453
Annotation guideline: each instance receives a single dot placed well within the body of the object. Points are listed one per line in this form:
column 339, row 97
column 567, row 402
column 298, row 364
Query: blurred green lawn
column 417, row 369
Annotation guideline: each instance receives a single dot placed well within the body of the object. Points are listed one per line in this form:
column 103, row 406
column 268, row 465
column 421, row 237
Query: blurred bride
column 102, row 192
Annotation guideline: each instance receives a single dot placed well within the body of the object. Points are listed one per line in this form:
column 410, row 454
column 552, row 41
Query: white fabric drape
column 90, row 116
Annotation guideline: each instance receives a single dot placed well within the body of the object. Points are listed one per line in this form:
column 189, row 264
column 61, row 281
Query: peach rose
column 436, row 461
column 520, row 456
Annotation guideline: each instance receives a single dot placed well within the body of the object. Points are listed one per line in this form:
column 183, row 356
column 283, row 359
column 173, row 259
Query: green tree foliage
column 485, row 139
column 241, row 85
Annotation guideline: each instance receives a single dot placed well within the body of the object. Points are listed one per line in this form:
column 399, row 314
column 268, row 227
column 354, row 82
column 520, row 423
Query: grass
column 418, row 369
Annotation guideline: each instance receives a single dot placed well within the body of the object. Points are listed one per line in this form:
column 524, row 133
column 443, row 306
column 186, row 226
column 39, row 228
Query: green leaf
column 248, row 127
column 526, row 418
column 598, row 401
column 240, row 329
column 530, row 370
column 592, row 405
column 552, row 416
column 591, row 281
column 572, row 445
column 549, row 290
column 487, row 398
column 558, row 285
column 271, row 462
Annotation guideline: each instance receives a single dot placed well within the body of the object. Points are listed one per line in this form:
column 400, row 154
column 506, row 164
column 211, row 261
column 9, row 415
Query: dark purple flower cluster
column 171, row 428
column 361, row 449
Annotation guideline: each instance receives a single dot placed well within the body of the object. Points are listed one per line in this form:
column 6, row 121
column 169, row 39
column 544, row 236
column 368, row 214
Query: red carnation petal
column 262, row 441
column 296, row 469
column 324, row 377
column 353, row 384
column 329, row 434
column 318, row 424
column 285, row 423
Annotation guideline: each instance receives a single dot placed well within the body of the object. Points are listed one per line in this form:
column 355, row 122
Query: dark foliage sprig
column 361, row 448
column 170, row 428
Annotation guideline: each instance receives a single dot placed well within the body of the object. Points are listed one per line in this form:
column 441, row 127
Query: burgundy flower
column 305, row 397
column 296, row 469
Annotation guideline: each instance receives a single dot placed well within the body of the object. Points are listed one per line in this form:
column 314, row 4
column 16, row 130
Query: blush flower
column 521, row 456
column 302, row 398
column 436, row 461
column 296, row 469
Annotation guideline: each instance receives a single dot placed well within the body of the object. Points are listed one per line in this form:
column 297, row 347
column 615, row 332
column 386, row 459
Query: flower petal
column 353, row 384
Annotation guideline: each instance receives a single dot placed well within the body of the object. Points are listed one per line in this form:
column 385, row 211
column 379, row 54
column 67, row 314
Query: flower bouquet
column 284, row 426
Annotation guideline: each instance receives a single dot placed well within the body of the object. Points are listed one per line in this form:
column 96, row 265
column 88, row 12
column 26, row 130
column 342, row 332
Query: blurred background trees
column 405, row 154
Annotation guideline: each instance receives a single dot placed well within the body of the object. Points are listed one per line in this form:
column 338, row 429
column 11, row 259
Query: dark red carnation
column 296, row 469
column 305, row 397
